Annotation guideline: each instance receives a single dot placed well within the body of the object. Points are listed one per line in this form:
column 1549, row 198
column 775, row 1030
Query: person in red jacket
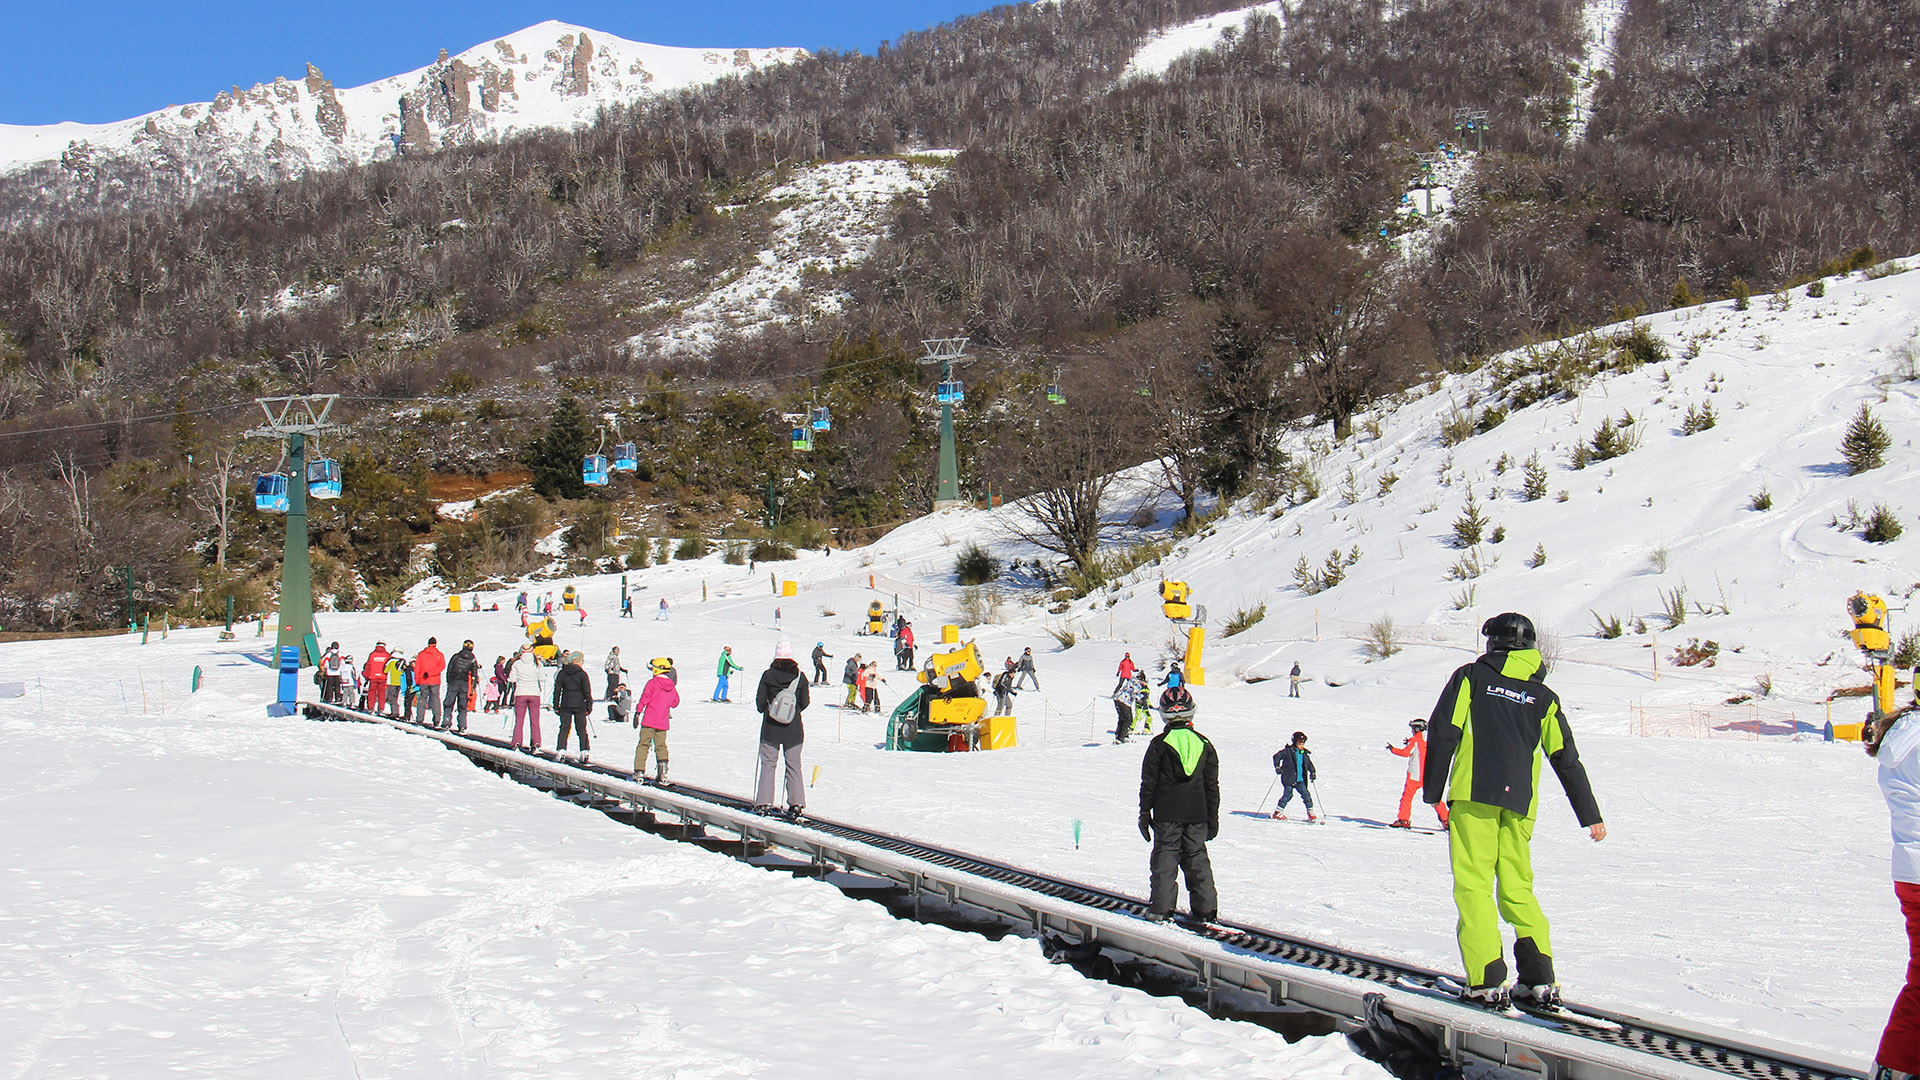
column 427, row 668
column 376, row 673
column 1415, row 751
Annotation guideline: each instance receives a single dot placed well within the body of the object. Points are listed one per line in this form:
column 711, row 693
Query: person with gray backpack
column 781, row 699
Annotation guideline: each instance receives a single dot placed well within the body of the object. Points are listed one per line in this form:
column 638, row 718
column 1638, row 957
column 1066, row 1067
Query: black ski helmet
column 1417, row 724
column 1508, row 631
column 1299, row 736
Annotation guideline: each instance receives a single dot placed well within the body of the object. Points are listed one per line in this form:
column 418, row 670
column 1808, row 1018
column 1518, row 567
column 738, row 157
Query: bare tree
column 1069, row 467
column 213, row 501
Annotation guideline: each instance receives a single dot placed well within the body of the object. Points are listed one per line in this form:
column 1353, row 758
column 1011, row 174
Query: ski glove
column 1213, row 830
column 1146, row 826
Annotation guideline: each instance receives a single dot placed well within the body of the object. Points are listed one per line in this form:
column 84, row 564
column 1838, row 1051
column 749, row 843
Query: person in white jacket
column 1895, row 744
column 532, row 683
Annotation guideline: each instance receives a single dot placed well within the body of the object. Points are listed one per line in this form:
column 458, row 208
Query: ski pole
column 1269, row 794
column 1317, row 798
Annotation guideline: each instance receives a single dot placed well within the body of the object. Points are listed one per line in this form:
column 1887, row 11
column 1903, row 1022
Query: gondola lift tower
column 947, row 352
column 292, row 420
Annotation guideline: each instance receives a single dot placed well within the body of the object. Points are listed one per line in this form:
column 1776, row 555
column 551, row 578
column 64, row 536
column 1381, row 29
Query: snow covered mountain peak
column 550, row 75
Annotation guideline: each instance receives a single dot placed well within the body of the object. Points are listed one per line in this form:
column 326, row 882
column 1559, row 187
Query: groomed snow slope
column 1164, row 47
column 1744, row 884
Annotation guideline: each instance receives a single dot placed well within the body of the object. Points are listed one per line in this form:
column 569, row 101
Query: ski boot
column 660, row 773
column 1495, row 998
column 1311, row 816
column 1403, row 823
column 1278, row 816
column 1541, row 996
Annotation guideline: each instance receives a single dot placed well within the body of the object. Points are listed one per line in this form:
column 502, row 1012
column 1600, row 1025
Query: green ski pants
column 1493, row 861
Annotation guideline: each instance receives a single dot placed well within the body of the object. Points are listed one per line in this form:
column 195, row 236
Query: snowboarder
column 1293, row 681
column 657, row 702
column 573, row 700
column 1415, row 751
column 1896, row 746
column 463, row 673
column 1179, row 814
column 780, row 739
column 1492, row 722
column 820, row 658
column 1025, row 668
column 1295, row 765
column 725, row 668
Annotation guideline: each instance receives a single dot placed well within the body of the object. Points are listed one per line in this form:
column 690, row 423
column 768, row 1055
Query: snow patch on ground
column 1166, row 46
column 833, row 215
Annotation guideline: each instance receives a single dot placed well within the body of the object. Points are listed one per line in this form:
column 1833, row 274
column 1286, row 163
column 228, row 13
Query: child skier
column 1415, row 751
column 1295, row 766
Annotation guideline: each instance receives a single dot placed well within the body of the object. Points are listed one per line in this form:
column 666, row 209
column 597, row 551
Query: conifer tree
column 555, row 459
column 1865, row 444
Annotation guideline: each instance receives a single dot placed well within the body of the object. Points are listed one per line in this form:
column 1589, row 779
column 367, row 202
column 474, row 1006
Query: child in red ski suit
column 1415, row 751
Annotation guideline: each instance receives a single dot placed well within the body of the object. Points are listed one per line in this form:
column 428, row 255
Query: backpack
column 785, row 706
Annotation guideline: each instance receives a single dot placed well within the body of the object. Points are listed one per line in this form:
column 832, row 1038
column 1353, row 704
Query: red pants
column 1900, row 1044
column 1406, row 801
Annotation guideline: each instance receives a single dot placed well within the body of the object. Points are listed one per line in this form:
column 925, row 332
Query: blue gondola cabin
column 593, row 470
column 270, row 493
column 323, row 479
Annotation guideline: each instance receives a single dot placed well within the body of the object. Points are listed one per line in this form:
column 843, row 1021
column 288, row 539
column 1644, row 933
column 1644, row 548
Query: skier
column 1295, row 765
column 573, row 700
column 1896, row 747
column 657, row 702
column 463, row 673
column 1142, row 698
column 1293, row 684
column 820, row 658
column 427, row 669
column 1124, row 672
column 870, row 687
column 497, row 696
column 1415, row 751
column 1492, row 722
column 660, row 615
column 626, row 607
column 376, row 674
column 1003, row 691
column 1025, row 668
column 1179, row 814
column 1174, row 677
column 776, row 618
column 614, row 669
column 781, row 735
column 726, row 667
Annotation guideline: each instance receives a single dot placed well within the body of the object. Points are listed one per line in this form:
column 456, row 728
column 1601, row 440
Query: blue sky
column 98, row 60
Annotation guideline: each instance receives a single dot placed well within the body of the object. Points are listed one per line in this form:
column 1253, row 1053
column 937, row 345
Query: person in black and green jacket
column 1486, row 736
column 725, row 668
column 1179, row 813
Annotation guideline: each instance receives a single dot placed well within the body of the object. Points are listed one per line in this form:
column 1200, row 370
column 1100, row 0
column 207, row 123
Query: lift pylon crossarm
column 303, row 414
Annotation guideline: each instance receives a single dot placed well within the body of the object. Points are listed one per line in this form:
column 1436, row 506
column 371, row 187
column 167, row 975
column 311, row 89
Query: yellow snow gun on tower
column 540, row 632
column 953, row 678
column 1176, row 603
column 1872, row 635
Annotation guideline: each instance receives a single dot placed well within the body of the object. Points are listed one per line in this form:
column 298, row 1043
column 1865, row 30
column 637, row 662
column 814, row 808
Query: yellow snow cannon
column 1873, row 637
column 953, row 678
column 876, row 618
column 540, row 632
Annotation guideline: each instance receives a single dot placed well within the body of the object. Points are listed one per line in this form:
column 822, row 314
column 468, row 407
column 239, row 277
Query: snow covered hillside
column 191, row 882
column 551, row 75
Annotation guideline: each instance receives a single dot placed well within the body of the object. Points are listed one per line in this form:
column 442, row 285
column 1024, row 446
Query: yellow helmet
column 659, row 665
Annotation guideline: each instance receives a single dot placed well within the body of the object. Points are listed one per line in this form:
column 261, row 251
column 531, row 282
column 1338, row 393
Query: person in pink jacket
column 653, row 716
column 1415, row 751
column 1895, row 743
